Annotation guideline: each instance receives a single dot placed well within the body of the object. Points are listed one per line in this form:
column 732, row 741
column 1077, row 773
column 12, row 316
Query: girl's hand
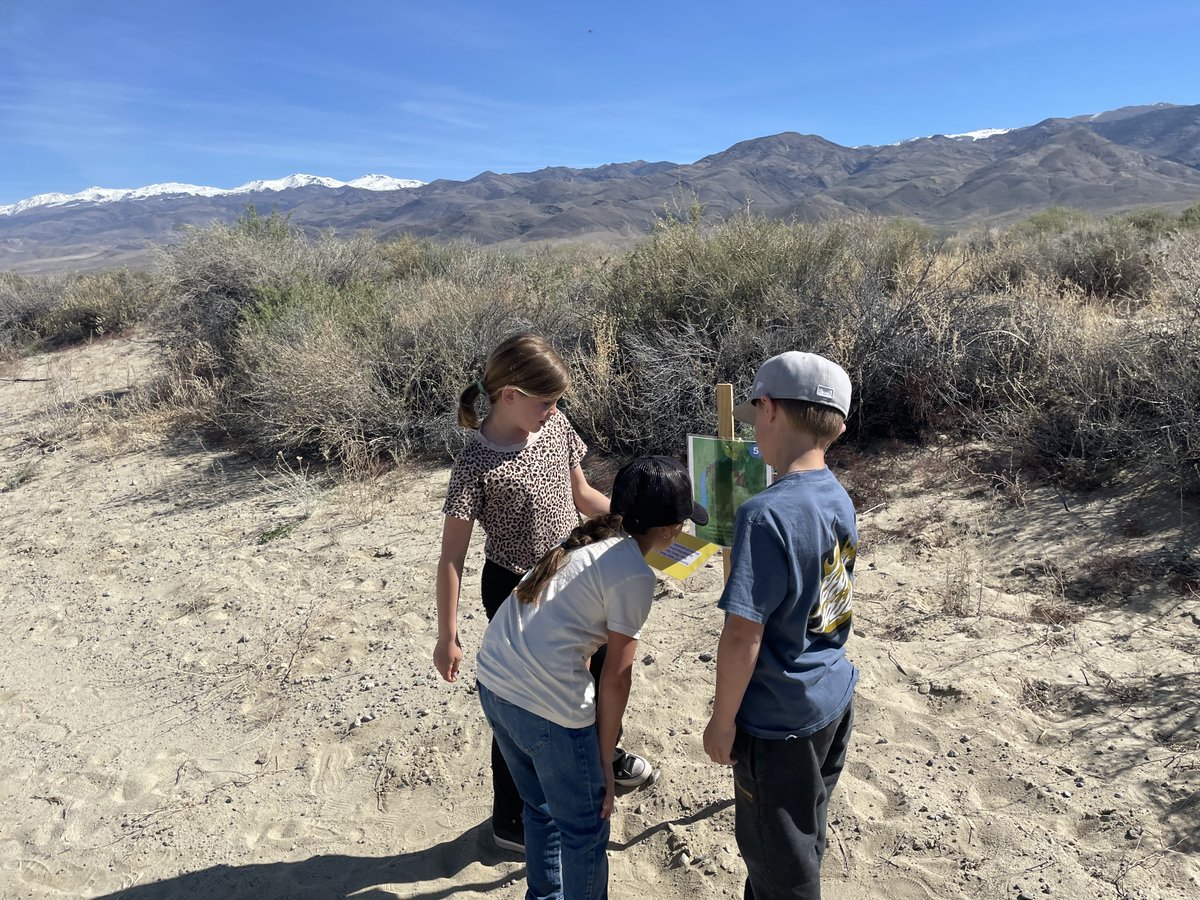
column 447, row 657
column 610, row 793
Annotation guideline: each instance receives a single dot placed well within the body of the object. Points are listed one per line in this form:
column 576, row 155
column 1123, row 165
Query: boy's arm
column 456, row 538
column 615, row 681
column 589, row 501
column 737, row 652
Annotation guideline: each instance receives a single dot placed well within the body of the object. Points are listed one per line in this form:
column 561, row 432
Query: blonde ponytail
column 467, row 416
column 525, row 361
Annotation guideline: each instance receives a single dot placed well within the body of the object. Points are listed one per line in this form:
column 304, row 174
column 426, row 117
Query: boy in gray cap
column 784, row 698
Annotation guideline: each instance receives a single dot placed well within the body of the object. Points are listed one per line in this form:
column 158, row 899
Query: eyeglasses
column 560, row 400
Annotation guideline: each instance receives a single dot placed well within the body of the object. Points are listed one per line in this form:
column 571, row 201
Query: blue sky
column 124, row 93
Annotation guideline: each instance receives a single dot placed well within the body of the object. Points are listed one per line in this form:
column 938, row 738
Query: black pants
column 781, row 799
column 507, row 805
column 497, row 583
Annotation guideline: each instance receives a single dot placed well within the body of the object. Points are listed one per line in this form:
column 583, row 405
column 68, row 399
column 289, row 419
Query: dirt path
column 216, row 681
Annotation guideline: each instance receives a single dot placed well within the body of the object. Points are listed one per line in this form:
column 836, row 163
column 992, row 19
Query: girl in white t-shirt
column 552, row 725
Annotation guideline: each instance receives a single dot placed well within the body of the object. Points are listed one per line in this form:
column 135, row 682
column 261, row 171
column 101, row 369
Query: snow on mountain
column 283, row 184
column 965, row 136
column 164, row 190
column 979, row 135
column 382, row 183
column 110, row 195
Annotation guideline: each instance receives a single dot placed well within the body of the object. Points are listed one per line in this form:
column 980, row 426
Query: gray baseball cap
column 798, row 376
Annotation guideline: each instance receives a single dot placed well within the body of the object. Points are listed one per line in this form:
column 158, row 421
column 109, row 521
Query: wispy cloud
column 444, row 113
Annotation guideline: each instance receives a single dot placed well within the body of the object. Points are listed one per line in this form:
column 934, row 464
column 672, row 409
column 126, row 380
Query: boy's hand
column 718, row 742
column 447, row 657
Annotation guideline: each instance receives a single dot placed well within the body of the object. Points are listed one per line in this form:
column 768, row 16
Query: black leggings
column 507, row 806
column 497, row 583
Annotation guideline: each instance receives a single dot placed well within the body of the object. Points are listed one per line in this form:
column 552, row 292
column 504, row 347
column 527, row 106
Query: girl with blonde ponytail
column 555, row 727
column 519, row 476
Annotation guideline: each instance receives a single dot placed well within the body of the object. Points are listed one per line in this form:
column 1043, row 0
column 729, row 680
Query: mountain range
column 110, row 195
column 1122, row 159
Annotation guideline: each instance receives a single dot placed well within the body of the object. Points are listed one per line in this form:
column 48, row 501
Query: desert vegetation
column 53, row 311
column 1027, row 644
column 1072, row 341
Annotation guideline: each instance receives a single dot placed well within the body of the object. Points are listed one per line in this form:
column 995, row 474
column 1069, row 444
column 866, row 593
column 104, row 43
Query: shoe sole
column 506, row 844
column 649, row 779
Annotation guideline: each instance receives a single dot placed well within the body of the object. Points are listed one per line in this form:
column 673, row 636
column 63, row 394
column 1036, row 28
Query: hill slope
column 1139, row 156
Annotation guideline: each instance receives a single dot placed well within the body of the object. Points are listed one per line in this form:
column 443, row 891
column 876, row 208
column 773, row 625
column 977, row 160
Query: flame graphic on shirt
column 837, row 589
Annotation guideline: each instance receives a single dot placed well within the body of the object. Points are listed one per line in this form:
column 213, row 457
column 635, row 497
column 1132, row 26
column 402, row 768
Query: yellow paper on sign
column 683, row 557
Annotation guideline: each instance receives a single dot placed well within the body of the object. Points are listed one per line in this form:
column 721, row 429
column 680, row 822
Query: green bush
column 1152, row 222
column 755, row 270
column 1056, row 220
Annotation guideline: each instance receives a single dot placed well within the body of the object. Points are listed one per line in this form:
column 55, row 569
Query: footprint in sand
column 268, row 829
column 45, row 632
column 44, row 732
column 874, row 791
column 12, row 711
column 329, row 770
column 896, row 887
column 285, row 831
column 133, row 786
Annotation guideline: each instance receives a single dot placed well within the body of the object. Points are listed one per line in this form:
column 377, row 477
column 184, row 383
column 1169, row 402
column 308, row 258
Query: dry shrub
column 1112, row 260
column 1171, row 340
column 1043, row 698
column 355, row 347
column 1054, row 612
column 378, row 370
column 216, row 276
column 99, row 304
column 26, row 302
column 696, row 306
column 55, row 310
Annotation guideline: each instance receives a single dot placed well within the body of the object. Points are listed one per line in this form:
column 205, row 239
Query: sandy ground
column 216, row 682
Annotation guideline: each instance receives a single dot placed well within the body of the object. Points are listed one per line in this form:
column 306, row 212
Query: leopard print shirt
column 520, row 495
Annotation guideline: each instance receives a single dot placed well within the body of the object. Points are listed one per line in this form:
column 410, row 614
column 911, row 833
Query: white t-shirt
column 535, row 655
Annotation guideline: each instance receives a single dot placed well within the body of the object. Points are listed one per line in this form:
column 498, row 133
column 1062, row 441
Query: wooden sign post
column 725, row 433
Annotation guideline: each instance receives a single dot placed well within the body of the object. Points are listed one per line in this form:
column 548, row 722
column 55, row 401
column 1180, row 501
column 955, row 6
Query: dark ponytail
column 601, row 528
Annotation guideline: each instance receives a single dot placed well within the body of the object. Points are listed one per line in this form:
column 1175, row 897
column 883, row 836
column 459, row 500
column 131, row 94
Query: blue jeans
column 558, row 772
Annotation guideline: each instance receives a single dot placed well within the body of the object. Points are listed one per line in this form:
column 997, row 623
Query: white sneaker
column 630, row 770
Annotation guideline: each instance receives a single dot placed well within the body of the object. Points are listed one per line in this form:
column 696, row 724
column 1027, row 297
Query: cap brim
column 744, row 413
column 699, row 514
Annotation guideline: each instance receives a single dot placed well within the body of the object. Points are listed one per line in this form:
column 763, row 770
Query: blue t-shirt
column 793, row 572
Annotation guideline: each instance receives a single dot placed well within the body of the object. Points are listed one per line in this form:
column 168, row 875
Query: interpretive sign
column 683, row 557
column 725, row 473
